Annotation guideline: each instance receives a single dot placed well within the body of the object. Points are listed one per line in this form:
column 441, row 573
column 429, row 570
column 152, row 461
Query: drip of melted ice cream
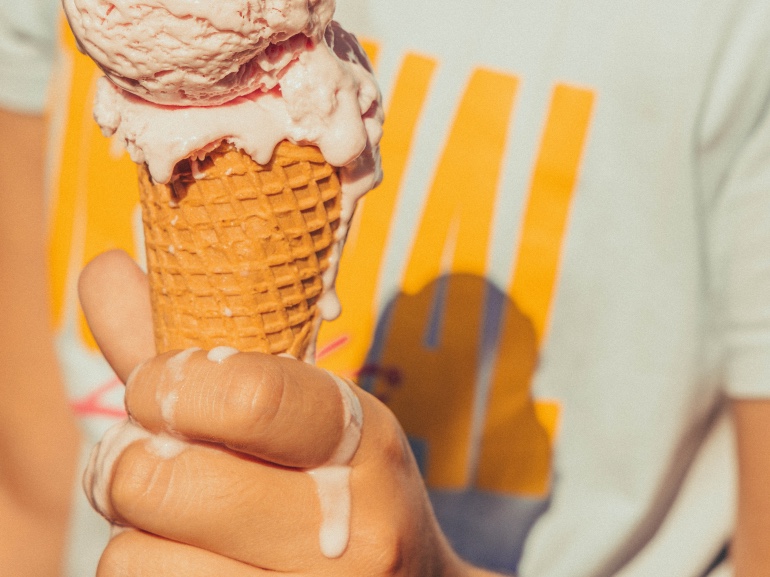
column 333, row 479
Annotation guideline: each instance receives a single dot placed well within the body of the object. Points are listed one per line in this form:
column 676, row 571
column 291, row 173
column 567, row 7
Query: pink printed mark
column 332, row 347
column 93, row 404
column 388, row 378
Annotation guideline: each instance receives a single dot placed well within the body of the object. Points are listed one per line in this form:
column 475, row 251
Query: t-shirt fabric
column 620, row 155
column 27, row 50
column 558, row 286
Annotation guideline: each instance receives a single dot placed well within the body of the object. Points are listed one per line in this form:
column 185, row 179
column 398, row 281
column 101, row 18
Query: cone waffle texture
column 236, row 250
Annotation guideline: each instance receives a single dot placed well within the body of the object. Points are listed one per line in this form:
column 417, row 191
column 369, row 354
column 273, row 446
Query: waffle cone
column 236, row 250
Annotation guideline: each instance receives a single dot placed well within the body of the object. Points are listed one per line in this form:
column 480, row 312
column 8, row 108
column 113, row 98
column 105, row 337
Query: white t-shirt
column 661, row 305
column 27, row 51
column 569, row 268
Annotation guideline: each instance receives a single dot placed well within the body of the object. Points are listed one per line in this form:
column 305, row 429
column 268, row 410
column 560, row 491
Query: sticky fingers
column 212, row 499
column 277, row 409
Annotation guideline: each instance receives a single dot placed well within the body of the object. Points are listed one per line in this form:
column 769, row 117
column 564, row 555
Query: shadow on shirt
column 455, row 362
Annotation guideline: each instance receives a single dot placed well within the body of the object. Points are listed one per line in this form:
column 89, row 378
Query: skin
column 259, row 517
column 39, row 438
column 751, row 546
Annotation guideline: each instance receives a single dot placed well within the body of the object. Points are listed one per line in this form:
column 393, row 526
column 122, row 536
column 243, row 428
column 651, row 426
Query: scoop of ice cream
column 193, row 52
column 327, row 97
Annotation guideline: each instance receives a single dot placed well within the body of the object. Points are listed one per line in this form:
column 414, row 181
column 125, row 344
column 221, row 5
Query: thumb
column 115, row 297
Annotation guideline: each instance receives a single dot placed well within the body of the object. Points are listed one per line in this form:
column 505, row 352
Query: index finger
column 115, row 297
column 278, row 409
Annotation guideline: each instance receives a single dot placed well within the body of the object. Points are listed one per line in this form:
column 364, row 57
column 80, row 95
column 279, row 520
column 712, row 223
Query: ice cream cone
column 236, row 250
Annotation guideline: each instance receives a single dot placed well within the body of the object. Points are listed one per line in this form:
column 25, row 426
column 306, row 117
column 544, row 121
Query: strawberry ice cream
column 191, row 52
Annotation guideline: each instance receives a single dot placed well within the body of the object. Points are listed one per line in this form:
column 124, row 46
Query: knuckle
column 252, row 402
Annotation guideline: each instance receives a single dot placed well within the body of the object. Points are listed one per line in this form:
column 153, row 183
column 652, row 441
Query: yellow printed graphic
column 550, row 196
column 96, row 192
column 66, row 203
column 372, row 50
column 466, row 182
column 518, row 435
column 432, row 390
column 359, row 269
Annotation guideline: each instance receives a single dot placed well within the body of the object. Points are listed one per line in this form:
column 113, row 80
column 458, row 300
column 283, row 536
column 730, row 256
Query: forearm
column 751, row 546
column 39, row 440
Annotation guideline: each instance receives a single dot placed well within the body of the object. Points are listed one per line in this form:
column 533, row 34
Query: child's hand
column 237, row 499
